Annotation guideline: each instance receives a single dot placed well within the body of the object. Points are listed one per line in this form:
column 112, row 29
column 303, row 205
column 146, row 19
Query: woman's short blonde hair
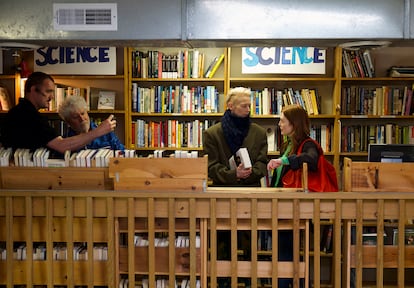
column 237, row 92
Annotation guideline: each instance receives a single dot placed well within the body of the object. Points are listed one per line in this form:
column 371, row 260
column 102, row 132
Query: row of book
column 100, row 252
column 176, row 99
column 270, row 101
column 322, row 133
column 180, row 241
column 169, row 133
column 159, row 283
column 358, row 63
column 356, row 138
column 84, row 158
column 384, row 100
column 207, row 99
column 80, row 252
column 160, row 153
column 188, row 63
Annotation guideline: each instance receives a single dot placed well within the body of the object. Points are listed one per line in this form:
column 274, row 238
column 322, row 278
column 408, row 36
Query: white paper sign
column 283, row 60
column 76, row 60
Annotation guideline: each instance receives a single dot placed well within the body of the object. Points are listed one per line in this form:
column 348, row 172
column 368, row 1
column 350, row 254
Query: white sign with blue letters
column 76, row 60
column 283, row 60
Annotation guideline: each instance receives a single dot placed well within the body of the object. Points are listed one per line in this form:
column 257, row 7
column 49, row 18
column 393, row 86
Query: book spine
column 216, row 66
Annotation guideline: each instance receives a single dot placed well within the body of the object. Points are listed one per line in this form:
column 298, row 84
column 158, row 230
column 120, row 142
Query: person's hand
column 108, row 125
column 243, row 173
column 273, row 164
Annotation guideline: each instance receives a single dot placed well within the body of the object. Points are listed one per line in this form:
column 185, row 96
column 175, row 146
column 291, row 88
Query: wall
column 219, row 23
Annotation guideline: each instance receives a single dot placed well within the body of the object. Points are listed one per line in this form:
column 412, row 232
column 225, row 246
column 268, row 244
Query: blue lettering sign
column 285, row 55
column 70, row 55
column 259, row 53
column 316, row 56
column 253, row 61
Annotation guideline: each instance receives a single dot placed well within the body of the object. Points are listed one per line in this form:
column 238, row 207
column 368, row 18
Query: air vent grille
column 85, row 17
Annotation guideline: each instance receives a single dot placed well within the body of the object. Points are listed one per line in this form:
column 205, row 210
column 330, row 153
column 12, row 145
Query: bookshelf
column 374, row 109
column 153, row 99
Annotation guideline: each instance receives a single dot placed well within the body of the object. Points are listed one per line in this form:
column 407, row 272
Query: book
column 241, row 157
column 216, row 66
column 92, row 96
column 408, row 237
column 271, row 138
column 326, row 241
column 106, row 100
column 210, row 66
column 4, row 99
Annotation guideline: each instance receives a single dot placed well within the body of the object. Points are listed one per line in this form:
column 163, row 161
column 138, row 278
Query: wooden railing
column 93, row 216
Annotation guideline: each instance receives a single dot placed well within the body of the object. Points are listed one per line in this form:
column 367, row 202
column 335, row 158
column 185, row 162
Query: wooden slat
column 110, row 262
column 171, row 239
column 233, row 232
column 151, row 240
column 253, row 243
column 213, row 240
column 69, row 240
column 316, row 247
column 49, row 241
column 380, row 242
column 89, row 237
column 131, row 245
column 193, row 249
column 401, row 248
column 29, row 240
column 275, row 242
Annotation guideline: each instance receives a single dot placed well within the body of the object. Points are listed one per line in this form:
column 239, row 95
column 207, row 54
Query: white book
column 43, row 157
column 72, row 160
column 266, row 101
column 55, row 163
column 109, row 154
column 271, row 139
column 79, row 158
column 90, row 156
column 244, row 157
column 194, row 71
column 323, row 137
column 97, row 157
column 16, row 157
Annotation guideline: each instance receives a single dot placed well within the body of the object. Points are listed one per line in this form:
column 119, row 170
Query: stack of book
column 396, row 71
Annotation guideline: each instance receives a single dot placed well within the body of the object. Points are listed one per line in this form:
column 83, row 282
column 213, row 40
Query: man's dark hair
column 36, row 79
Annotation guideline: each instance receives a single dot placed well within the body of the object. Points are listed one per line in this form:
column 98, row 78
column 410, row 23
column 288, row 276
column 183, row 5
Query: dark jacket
column 219, row 153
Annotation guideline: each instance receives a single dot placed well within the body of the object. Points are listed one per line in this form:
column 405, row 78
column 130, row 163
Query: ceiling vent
column 85, row 16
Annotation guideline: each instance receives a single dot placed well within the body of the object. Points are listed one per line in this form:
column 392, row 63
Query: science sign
column 76, row 60
column 283, row 60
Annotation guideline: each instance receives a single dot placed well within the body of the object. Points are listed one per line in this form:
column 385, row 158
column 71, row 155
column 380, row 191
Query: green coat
column 215, row 146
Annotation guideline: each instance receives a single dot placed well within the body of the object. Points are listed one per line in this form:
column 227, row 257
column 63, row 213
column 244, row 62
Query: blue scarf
column 235, row 129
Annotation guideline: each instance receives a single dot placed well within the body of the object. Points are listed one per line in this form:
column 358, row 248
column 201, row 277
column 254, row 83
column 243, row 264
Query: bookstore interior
column 147, row 217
